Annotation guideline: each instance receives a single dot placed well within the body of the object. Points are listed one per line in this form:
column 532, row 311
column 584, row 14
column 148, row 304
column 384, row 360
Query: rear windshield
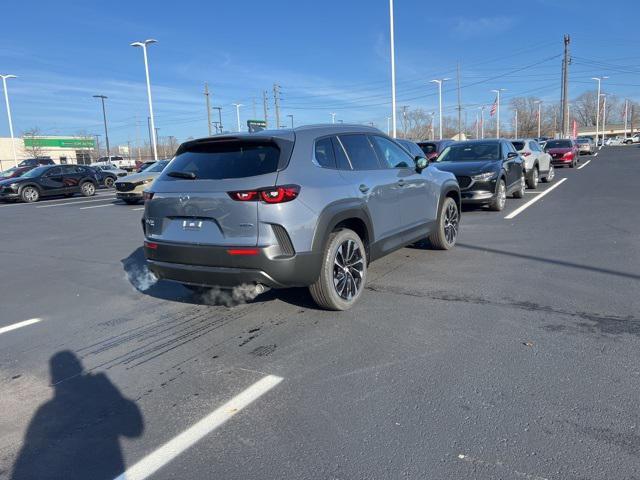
column 470, row 152
column 558, row 144
column 518, row 145
column 428, row 148
column 583, row 140
column 219, row 160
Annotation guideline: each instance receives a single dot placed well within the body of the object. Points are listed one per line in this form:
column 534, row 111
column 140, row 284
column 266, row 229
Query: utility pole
column 104, row 117
column 276, row 101
column 565, row 86
column 97, row 135
column 206, row 95
column 459, row 105
column 626, row 111
column 516, row 120
column 265, row 106
column 482, row 122
column 151, row 137
column 604, row 115
column 393, row 68
column 404, row 121
column 477, row 127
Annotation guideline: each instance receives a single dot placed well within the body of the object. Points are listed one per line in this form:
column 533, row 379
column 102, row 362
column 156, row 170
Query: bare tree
column 527, row 109
column 31, row 146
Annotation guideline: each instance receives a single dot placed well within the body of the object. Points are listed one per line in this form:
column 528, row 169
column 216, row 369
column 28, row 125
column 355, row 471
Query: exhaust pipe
column 260, row 289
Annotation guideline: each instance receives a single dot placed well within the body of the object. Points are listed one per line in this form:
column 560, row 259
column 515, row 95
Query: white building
column 59, row 149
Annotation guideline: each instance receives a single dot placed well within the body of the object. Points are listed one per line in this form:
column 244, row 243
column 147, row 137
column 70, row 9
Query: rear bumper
column 215, row 266
column 562, row 161
column 129, row 195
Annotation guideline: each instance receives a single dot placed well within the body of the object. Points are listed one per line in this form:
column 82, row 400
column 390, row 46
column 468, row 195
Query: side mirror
column 511, row 155
column 421, row 163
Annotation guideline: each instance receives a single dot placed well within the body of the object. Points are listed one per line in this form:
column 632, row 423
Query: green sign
column 59, row 142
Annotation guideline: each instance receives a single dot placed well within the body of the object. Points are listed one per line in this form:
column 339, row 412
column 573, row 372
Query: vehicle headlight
column 14, row 186
column 484, row 177
column 148, row 180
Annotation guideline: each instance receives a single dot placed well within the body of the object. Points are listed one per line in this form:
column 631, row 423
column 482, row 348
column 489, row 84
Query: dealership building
column 59, row 149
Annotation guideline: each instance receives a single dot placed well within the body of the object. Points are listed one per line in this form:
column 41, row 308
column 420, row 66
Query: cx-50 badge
column 191, row 224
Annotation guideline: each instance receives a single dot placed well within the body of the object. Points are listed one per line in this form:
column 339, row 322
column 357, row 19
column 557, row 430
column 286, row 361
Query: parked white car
column 120, row 162
column 633, row 139
column 537, row 162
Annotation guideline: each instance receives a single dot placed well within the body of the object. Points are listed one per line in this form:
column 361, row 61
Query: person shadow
column 76, row 434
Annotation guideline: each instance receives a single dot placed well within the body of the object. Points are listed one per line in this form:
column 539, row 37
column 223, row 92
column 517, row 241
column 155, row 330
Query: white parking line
column 595, row 154
column 108, row 199
column 15, row 326
column 521, row 209
column 98, row 206
column 136, row 209
column 584, row 164
column 177, row 445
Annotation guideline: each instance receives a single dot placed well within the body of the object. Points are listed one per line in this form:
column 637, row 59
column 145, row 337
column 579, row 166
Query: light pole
column 604, row 115
column 477, row 126
column 626, row 114
column 516, row 120
column 219, row 117
column 238, row 105
column 599, row 80
column 393, row 69
column 104, row 117
column 497, row 92
column 97, row 135
column 539, row 102
column 6, row 99
column 333, row 118
column 291, row 117
column 440, row 82
column 146, row 69
column 481, row 121
column 389, row 126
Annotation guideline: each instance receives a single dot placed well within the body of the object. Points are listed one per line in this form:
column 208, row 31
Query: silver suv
column 310, row 207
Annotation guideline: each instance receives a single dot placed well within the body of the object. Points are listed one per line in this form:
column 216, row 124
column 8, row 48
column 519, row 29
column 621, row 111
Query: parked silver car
column 311, row 206
column 586, row 146
column 537, row 162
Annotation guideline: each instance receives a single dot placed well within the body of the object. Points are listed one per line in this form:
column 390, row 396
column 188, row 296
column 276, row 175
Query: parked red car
column 564, row 152
column 14, row 172
column 434, row 148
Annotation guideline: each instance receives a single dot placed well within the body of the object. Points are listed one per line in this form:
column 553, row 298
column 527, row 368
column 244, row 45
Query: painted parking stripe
column 98, row 206
column 15, row 326
column 521, row 209
column 136, row 209
column 584, row 164
column 106, row 199
column 177, row 445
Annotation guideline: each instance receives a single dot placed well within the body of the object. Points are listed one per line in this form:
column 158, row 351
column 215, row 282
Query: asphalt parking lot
column 514, row 355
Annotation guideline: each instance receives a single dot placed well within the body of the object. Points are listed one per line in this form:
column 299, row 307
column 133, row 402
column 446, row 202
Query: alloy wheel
column 502, row 195
column 30, row 194
column 551, row 174
column 88, row 189
column 348, row 270
column 451, row 223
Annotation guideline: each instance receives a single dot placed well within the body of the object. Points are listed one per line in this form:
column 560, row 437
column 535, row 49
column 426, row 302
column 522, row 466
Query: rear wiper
column 178, row 174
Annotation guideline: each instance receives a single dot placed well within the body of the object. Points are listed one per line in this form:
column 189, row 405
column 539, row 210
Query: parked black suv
column 50, row 180
column 487, row 171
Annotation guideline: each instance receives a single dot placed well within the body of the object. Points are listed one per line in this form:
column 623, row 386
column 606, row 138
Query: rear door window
column 519, row 145
column 227, row 159
column 360, row 151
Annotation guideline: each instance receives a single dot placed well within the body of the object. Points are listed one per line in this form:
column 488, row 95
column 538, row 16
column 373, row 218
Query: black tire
column 30, row 194
column 87, row 189
column 131, row 201
column 109, row 182
column 523, row 186
column 446, row 235
column 344, row 263
column 534, row 177
column 499, row 198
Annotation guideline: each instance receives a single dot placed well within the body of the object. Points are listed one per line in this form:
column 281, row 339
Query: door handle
column 364, row 188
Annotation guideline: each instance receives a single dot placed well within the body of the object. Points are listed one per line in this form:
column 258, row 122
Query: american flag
column 494, row 107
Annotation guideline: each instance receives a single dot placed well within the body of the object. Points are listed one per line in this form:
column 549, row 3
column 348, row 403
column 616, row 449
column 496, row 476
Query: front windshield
column 470, row 152
column 158, row 166
column 429, row 148
column 36, row 172
column 559, row 144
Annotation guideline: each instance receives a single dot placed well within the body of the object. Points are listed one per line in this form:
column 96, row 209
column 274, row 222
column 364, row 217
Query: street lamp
column 6, row 99
column 104, row 117
column 599, row 80
column 146, row 69
column 604, row 115
column 238, row 105
column 539, row 102
column 291, row 117
column 497, row 92
column 440, row 82
column 393, row 69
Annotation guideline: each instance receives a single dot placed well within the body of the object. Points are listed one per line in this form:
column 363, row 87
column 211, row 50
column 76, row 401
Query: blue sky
column 328, row 56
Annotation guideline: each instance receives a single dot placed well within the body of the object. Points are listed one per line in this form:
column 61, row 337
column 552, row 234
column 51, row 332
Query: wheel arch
column 343, row 214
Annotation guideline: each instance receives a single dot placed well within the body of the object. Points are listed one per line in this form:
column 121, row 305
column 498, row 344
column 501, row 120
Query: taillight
column 280, row 194
column 151, row 245
column 147, row 195
column 568, row 155
column 243, row 251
